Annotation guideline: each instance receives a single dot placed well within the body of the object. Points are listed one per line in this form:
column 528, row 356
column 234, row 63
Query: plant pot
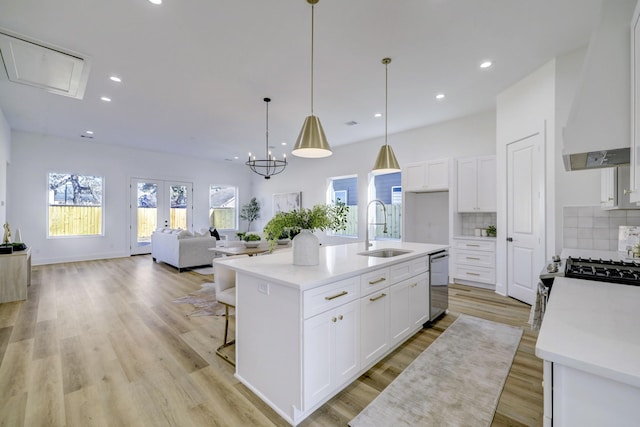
column 284, row 241
column 251, row 244
column 306, row 249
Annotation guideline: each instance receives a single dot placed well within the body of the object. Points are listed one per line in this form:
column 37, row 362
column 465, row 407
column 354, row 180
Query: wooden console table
column 15, row 276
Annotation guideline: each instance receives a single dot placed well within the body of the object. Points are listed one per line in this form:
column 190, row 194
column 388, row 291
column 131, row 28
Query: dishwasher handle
column 439, row 256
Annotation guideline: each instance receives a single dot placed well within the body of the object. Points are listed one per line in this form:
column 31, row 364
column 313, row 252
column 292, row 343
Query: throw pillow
column 184, row 233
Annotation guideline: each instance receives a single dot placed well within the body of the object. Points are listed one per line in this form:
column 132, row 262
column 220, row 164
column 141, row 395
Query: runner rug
column 456, row 381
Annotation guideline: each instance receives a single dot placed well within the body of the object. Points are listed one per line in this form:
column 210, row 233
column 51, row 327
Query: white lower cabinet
column 474, row 261
column 408, row 307
column 331, row 351
column 374, row 332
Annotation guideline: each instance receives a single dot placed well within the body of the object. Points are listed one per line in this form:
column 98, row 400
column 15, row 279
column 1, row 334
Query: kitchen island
column 303, row 333
column 590, row 343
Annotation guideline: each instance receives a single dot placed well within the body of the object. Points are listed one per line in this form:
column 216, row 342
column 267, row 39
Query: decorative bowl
column 251, row 244
column 283, row 241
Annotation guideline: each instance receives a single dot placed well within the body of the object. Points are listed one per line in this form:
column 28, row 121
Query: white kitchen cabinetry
column 432, row 175
column 634, row 179
column 474, row 260
column 614, row 191
column 408, row 307
column 476, row 184
column 374, row 312
column 331, row 351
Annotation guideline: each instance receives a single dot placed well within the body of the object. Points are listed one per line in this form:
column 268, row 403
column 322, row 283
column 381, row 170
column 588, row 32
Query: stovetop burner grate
column 623, row 271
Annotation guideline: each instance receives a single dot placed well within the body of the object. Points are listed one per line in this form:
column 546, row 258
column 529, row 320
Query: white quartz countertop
column 594, row 327
column 336, row 263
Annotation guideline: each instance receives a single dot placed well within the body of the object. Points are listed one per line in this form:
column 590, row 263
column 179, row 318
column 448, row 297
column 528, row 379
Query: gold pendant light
column 312, row 142
column 386, row 161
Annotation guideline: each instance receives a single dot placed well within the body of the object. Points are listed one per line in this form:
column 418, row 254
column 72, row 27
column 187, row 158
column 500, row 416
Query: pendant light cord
column 386, row 99
column 312, row 21
column 266, row 150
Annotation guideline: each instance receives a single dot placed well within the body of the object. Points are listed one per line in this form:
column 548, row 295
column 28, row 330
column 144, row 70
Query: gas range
column 622, row 271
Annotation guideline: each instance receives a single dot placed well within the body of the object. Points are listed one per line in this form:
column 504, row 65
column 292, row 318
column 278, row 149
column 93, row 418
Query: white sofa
column 181, row 248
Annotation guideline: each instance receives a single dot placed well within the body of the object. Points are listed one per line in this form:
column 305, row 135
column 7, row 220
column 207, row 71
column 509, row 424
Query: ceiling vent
column 46, row 67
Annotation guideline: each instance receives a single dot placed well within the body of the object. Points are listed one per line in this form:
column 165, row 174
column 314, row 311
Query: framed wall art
column 285, row 202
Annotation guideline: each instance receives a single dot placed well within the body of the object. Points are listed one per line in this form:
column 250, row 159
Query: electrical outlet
column 263, row 288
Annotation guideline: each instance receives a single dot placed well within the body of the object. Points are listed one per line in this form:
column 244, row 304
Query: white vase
column 306, row 248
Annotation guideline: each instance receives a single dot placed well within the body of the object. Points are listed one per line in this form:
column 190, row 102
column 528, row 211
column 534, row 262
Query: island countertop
column 594, row 327
column 336, row 262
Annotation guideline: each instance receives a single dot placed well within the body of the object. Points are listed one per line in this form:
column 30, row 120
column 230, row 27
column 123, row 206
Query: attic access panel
column 48, row 68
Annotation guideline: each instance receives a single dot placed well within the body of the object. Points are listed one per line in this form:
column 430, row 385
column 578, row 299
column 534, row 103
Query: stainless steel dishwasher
column 438, row 284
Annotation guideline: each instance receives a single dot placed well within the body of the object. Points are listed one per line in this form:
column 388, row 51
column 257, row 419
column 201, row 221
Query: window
column 75, row 205
column 345, row 190
column 387, row 188
column 223, row 214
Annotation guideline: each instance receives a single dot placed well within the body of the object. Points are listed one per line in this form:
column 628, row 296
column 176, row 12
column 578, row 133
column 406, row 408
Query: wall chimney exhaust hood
column 596, row 134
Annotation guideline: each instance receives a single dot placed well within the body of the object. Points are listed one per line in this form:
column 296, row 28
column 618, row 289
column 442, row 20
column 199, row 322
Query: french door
column 155, row 204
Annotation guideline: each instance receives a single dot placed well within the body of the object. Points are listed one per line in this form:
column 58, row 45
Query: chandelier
column 270, row 165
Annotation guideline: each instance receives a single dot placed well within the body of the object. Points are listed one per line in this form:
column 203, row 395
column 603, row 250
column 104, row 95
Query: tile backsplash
column 590, row 227
column 470, row 221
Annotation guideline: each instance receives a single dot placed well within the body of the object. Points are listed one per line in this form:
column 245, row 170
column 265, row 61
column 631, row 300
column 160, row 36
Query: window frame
column 236, row 215
column 51, row 198
column 353, row 209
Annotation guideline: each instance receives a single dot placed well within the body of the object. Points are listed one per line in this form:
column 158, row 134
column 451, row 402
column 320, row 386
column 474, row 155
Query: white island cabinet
column 305, row 333
column 590, row 343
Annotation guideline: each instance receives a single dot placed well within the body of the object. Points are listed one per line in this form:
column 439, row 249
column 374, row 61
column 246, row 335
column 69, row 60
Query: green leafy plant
column 251, row 237
column 319, row 217
column 491, row 231
column 250, row 212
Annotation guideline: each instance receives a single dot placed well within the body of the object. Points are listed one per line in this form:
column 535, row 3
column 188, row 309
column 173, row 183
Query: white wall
column 5, row 158
column 526, row 108
column 468, row 136
column 35, row 156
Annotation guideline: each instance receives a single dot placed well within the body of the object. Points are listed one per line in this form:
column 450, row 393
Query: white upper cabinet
column 614, row 193
column 476, row 184
column 634, row 178
column 432, row 175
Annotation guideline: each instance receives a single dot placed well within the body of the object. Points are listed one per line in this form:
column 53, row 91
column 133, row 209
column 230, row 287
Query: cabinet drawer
column 477, row 245
column 374, row 281
column 476, row 274
column 476, row 258
column 419, row 265
column 326, row 297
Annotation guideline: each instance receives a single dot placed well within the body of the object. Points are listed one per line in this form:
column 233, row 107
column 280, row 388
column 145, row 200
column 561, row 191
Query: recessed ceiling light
column 377, row 115
column 105, row 99
column 155, row 1
column 115, row 79
column 283, row 143
column 440, row 96
column 485, row 64
column 235, row 157
column 89, row 132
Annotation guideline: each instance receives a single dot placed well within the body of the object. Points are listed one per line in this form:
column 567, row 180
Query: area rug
column 204, row 301
column 204, row 270
column 456, row 381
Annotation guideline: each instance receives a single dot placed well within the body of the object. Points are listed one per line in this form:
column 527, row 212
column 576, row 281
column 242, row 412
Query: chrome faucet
column 367, row 244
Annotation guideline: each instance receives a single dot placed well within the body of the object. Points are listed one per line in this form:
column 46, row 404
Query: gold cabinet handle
column 473, row 274
column 333, row 319
column 373, row 282
column 341, row 294
column 340, row 317
column 627, row 191
column 372, row 299
column 475, row 246
column 413, row 285
column 474, row 258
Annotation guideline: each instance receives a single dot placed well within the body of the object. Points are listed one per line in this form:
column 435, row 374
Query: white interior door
column 525, row 185
column 157, row 203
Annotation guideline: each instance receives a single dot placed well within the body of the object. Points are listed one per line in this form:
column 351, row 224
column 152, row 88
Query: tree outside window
column 344, row 189
column 75, row 205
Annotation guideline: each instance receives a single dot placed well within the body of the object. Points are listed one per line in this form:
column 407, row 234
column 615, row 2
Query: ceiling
column 194, row 73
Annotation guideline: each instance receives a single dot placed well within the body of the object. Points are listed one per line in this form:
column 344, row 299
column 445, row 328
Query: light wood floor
column 101, row 343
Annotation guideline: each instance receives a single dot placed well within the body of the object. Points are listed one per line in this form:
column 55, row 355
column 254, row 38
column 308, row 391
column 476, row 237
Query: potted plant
column 491, row 231
column 251, row 240
column 250, row 212
column 303, row 222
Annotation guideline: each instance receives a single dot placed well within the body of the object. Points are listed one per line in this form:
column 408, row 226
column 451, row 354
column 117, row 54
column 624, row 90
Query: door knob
column 509, row 239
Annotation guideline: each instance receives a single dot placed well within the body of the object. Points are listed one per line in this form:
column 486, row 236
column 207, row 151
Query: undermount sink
column 385, row 253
